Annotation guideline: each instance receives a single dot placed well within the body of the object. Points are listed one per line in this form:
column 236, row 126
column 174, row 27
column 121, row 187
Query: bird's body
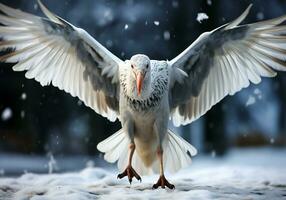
column 145, row 110
column 143, row 94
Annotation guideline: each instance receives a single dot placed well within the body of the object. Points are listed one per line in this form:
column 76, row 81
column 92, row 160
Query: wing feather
column 52, row 51
column 222, row 62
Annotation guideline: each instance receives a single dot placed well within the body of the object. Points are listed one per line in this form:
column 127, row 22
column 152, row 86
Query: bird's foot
column 130, row 173
column 162, row 181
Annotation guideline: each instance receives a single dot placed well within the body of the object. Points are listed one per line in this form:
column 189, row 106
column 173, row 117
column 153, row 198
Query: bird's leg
column 129, row 171
column 162, row 181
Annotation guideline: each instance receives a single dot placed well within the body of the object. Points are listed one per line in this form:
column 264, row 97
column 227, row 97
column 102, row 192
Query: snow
column 251, row 100
column 209, row 2
column 157, row 23
column 109, row 43
column 24, row 96
column 167, row 35
column 6, row 114
column 258, row 93
column 242, row 174
column 79, row 102
column 201, row 17
column 126, row 27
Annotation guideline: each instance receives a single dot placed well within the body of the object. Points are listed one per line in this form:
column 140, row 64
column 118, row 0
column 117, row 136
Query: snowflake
column 6, row 114
column 157, row 23
column 167, row 35
column 126, row 27
column 251, row 100
column 201, row 17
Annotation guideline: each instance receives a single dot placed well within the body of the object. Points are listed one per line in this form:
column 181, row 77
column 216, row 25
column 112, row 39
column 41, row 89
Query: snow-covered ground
column 242, row 174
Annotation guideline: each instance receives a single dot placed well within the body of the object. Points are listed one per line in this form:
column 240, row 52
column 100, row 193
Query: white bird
column 142, row 93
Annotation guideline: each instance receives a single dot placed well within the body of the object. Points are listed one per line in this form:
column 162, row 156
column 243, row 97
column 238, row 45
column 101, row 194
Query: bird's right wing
column 222, row 62
column 53, row 51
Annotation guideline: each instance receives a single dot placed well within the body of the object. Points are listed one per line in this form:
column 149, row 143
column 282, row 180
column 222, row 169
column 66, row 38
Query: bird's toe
column 163, row 182
column 130, row 173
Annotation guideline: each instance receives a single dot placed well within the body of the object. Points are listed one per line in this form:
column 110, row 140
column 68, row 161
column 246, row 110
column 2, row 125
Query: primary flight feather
column 142, row 93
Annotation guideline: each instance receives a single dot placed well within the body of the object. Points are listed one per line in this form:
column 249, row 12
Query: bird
column 145, row 95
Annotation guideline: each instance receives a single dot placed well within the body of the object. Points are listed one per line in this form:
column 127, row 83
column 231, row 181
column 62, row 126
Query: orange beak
column 139, row 81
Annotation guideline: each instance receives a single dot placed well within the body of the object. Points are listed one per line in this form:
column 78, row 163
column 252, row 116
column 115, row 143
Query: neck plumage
column 151, row 94
column 130, row 90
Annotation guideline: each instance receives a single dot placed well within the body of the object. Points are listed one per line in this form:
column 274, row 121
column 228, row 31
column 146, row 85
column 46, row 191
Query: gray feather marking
column 94, row 63
column 198, row 64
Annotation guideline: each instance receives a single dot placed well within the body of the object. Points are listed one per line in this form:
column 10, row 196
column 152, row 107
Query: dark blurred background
column 38, row 120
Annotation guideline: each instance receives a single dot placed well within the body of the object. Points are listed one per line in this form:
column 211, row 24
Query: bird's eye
column 147, row 66
column 132, row 66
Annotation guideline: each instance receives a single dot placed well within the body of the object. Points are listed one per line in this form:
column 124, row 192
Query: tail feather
column 114, row 147
column 177, row 153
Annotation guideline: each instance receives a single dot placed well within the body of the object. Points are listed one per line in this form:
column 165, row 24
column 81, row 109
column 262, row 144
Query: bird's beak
column 139, row 81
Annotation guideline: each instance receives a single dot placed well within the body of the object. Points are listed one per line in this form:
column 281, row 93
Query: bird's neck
column 151, row 94
column 128, row 84
column 145, row 92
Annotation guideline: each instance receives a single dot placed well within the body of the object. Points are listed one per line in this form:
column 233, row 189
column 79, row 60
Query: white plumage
column 142, row 93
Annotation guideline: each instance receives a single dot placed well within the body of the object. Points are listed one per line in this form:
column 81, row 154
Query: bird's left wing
column 53, row 51
column 222, row 62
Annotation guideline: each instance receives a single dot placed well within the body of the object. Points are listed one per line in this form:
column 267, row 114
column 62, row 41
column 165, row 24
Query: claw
column 162, row 181
column 120, row 176
column 130, row 173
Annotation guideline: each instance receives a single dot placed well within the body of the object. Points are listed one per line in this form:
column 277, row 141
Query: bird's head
column 141, row 71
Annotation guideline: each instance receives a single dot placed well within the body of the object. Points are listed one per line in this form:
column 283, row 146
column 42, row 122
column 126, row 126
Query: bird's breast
column 144, row 105
column 153, row 101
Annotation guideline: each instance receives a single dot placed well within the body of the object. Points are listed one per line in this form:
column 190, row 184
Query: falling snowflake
column 167, row 35
column 6, row 114
column 24, row 96
column 251, row 100
column 201, row 17
column 126, row 27
column 157, row 23
column 109, row 43
column 209, row 2
column 258, row 93
column 79, row 102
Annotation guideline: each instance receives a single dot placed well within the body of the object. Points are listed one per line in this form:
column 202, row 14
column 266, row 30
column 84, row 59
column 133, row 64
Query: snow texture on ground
column 243, row 174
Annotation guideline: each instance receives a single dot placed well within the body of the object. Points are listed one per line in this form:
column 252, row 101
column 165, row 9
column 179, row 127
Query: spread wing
column 53, row 51
column 222, row 62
